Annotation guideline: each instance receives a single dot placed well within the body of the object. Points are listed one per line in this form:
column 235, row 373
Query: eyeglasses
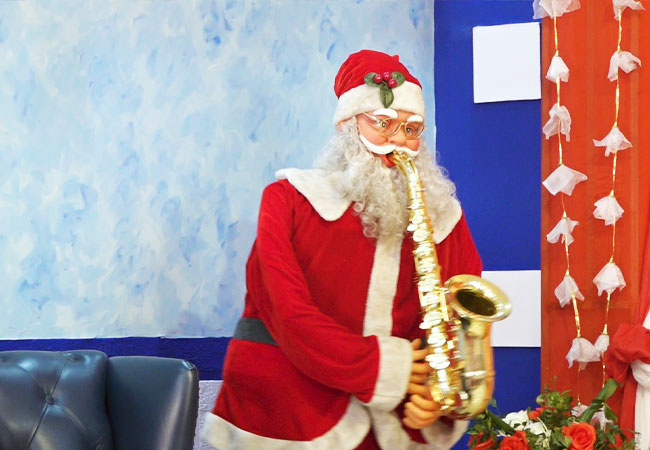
column 390, row 127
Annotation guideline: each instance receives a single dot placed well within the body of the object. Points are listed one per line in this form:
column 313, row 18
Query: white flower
column 537, row 428
column 582, row 351
column 578, row 409
column 608, row 209
column 620, row 5
column 516, row 420
column 553, row 8
column 566, row 289
column 557, row 70
column 625, row 61
column 602, row 343
column 609, row 278
column 563, row 229
column 600, row 419
column 614, row 141
column 563, row 179
column 559, row 120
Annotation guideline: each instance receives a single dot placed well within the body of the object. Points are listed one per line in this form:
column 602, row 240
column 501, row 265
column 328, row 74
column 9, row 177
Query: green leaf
column 609, row 414
column 385, row 95
column 368, row 79
column 499, row 422
column 607, row 391
column 397, row 76
column 493, row 402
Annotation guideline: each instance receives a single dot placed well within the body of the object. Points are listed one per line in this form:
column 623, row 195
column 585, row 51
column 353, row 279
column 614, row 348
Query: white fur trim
column 394, row 353
column 346, row 434
column 394, row 371
column 391, row 435
column 319, row 187
column 378, row 319
column 364, row 98
column 445, row 225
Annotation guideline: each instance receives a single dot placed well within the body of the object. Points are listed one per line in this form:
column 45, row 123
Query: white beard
column 378, row 192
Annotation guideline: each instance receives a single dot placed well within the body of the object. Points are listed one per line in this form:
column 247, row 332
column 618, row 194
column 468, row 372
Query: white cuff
column 395, row 363
column 442, row 435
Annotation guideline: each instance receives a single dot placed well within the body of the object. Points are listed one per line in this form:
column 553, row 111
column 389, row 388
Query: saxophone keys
column 426, row 264
column 436, row 340
column 430, row 300
column 420, row 235
column 412, row 227
column 437, row 361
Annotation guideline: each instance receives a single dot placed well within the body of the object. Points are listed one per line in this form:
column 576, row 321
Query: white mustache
column 386, row 149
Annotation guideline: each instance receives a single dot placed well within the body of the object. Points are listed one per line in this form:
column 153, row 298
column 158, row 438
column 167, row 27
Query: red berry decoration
column 377, row 78
column 392, row 83
column 387, row 76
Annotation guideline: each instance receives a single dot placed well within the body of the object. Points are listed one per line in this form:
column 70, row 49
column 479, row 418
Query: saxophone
column 457, row 316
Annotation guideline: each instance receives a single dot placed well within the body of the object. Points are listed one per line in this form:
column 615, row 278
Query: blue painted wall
column 492, row 150
column 136, row 139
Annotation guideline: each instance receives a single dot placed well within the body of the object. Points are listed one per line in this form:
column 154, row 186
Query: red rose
column 535, row 414
column 582, row 436
column 487, row 445
column 517, row 441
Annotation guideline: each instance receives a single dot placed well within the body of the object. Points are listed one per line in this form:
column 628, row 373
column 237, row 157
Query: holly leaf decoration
column 385, row 95
column 368, row 79
column 397, row 76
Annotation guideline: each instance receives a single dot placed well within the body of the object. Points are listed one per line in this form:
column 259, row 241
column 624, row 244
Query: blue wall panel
column 491, row 150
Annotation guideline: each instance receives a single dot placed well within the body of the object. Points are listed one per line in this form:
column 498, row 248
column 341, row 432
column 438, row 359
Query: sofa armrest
column 152, row 402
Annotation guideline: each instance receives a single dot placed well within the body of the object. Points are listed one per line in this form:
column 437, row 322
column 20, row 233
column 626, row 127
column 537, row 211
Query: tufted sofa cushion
column 59, row 405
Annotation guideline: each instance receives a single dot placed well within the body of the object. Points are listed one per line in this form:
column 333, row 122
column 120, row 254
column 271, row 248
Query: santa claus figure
column 327, row 354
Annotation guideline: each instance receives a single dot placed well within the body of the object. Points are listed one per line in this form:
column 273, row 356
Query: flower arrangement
column 554, row 425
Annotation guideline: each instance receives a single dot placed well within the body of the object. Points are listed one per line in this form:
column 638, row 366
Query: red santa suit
column 342, row 309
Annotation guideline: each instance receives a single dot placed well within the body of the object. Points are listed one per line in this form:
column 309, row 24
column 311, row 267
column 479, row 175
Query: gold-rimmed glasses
column 390, row 127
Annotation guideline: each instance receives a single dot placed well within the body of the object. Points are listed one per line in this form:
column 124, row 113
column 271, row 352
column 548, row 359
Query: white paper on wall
column 507, row 62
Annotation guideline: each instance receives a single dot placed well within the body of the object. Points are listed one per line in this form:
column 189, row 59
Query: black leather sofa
column 83, row 400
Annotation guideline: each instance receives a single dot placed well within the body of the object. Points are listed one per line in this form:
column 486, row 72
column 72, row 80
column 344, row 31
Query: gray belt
column 254, row 330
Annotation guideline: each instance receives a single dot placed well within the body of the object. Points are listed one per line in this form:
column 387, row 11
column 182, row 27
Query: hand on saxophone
column 420, row 411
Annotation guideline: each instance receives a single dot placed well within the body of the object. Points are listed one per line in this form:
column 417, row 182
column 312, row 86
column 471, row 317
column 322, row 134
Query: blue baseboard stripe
column 206, row 353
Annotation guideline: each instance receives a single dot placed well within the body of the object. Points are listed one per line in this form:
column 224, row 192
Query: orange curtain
column 587, row 39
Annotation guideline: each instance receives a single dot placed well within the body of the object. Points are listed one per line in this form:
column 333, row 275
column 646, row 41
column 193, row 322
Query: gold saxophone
column 457, row 316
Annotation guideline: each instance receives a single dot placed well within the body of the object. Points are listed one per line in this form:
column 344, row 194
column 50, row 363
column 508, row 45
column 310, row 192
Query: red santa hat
column 370, row 80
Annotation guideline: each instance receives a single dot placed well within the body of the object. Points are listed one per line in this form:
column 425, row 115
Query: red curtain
column 587, row 40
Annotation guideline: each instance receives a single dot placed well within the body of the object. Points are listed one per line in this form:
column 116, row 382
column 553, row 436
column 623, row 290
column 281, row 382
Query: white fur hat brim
column 365, row 98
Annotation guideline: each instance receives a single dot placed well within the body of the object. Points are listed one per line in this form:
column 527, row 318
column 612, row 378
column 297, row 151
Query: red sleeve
column 457, row 253
column 317, row 345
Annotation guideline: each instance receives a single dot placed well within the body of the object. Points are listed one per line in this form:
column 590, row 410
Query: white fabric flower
column 537, row 428
column 553, row 8
column 625, row 61
column 559, row 119
column 566, row 289
column 600, row 419
column 516, row 420
column 582, row 351
column 602, row 343
column 614, row 141
column 620, row 5
column 563, row 179
column 578, row 409
column 608, row 209
column 609, row 279
column 563, row 229
column 557, row 70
